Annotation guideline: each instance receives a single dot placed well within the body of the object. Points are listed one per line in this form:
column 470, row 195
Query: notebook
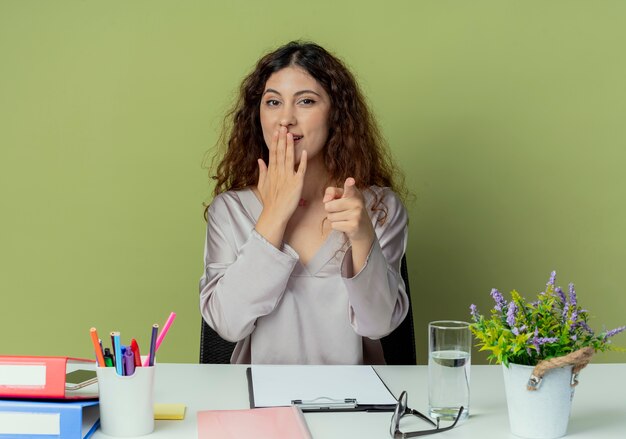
column 263, row 423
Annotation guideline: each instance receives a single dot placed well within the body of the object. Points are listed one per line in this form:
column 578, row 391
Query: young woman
column 305, row 233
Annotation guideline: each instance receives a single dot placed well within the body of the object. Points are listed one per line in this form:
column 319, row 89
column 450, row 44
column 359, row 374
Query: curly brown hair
column 355, row 147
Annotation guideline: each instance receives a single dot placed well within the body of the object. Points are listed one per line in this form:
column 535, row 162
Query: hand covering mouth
column 297, row 137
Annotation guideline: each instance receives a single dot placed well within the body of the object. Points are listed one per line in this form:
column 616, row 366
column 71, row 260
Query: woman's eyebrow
column 302, row 92
column 271, row 90
column 298, row 93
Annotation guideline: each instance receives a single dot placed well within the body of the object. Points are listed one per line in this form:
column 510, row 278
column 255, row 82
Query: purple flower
column 510, row 314
column 561, row 294
column 573, row 319
column 613, row 332
column 537, row 341
column 552, row 279
column 585, row 326
column 572, row 295
column 474, row 312
column 543, row 340
column 565, row 311
column 500, row 302
column 574, row 337
column 518, row 331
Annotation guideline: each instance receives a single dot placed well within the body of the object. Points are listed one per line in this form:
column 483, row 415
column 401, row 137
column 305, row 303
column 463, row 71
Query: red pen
column 135, row 348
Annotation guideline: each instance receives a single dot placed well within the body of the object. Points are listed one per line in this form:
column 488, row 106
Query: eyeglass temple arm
column 450, row 427
column 423, row 417
column 429, row 432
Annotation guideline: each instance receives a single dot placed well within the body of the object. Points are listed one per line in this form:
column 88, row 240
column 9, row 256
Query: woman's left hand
column 347, row 213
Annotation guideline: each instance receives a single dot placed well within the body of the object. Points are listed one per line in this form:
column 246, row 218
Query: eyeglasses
column 402, row 409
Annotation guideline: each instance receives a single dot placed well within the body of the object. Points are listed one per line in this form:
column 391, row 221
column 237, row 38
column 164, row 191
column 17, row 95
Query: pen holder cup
column 126, row 402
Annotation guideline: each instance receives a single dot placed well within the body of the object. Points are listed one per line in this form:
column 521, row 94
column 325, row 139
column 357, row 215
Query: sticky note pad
column 169, row 411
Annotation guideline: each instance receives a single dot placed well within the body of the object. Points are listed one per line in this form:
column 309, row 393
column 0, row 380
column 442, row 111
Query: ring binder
column 42, row 377
column 325, row 403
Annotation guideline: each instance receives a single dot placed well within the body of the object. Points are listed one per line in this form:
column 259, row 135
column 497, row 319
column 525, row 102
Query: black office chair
column 398, row 347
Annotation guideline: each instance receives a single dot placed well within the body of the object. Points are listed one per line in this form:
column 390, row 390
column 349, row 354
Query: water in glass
column 448, row 383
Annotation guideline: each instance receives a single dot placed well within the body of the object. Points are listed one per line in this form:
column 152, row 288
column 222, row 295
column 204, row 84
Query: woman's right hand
column 280, row 186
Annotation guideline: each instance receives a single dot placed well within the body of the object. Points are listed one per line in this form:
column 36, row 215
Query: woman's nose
column 287, row 118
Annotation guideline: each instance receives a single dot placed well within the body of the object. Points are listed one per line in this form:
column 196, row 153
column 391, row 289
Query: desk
column 598, row 411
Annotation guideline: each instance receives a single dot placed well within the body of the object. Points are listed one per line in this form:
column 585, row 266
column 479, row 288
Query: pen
column 129, row 362
column 160, row 338
column 108, row 358
column 113, row 347
column 123, row 349
column 163, row 333
column 150, row 360
column 325, row 403
column 135, row 348
column 97, row 347
column 118, row 353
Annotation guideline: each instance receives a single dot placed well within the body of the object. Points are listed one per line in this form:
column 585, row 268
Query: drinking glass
column 449, row 348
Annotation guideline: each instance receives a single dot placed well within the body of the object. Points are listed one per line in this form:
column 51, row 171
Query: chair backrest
column 398, row 347
column 213, row 348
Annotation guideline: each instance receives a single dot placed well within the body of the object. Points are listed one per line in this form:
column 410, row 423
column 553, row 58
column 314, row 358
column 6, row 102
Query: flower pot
column 542, row 413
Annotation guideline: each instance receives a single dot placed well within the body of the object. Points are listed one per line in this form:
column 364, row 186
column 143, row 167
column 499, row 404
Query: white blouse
column 280, row 311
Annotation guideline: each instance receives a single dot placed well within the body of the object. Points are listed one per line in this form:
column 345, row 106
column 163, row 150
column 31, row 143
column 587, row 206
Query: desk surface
column 598, row 410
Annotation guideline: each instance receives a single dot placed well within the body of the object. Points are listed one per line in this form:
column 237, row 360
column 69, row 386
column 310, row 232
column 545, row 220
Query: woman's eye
column 307, row 101
column 272, row 102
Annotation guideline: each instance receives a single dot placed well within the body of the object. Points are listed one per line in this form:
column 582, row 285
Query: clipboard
column 319, row 388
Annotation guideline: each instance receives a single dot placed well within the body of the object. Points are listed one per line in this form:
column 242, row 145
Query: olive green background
column 508, row 119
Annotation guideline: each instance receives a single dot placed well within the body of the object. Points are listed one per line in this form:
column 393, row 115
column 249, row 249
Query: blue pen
column 123, row 360
column 118, row 353
column 155, row 330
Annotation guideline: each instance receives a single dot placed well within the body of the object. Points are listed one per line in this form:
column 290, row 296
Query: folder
column 319, row 388
column 48, row 419
column 42, row 377
column 266, row 423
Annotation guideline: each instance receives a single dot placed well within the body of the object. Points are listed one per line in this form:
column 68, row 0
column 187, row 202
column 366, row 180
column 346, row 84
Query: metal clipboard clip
column 325, row 403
